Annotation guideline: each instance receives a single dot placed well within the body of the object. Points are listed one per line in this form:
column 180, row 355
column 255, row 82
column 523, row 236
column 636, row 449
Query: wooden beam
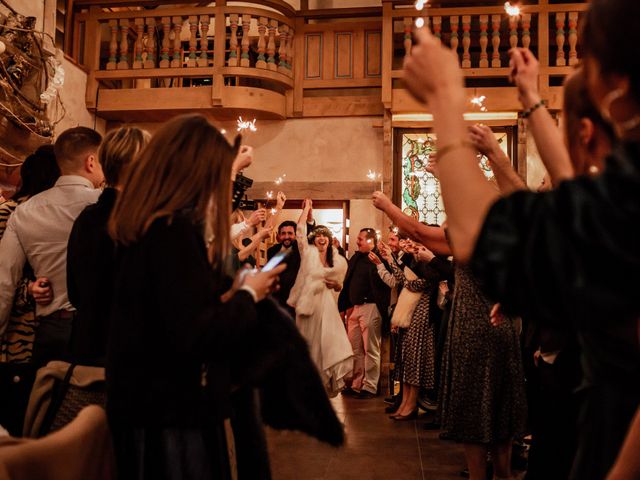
column 341, row 26
column 317, row 190
column 343, row 83
column 340, row 12
column 298, row 67
column 279, row 5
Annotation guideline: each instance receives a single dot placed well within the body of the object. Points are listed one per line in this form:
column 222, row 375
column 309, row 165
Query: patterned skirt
column 419, row 346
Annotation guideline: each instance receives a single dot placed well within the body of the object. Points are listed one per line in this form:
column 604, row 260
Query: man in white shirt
column 38, row 231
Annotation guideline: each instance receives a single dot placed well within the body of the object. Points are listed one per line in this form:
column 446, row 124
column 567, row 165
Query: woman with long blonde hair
column 169, row 325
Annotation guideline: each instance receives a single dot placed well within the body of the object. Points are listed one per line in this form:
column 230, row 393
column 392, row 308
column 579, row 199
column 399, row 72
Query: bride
column 322, row 271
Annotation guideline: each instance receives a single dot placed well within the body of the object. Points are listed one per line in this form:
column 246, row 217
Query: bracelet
column 454, row 146
column 527, row 113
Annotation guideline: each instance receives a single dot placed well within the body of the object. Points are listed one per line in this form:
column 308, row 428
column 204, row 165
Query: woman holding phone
column 322, row 271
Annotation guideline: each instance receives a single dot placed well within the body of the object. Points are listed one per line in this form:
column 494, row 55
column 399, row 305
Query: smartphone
column 275, row 261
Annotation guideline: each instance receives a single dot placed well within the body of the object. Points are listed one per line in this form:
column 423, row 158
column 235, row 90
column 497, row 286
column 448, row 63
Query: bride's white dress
column 317, row 315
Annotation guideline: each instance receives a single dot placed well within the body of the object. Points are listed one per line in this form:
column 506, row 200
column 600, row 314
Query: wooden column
column 193, row 41
column 92, row 57
column 298, row 71
column 526, row 30
column 560, row 57
column 408, row 26
column 203, row 59
column 176, row 62
column 233, row 41
column 123, row 64
column 282, row 51
column 262, row 42
column 290, row 57
column 495, row 41
column 387, row 53
column 219, row 58
column 484, row 41
column 271, row 46
column 112, row 63
column 573, row 37
column 150, row 61
column 455, row 26
column 437, row 27
column 513, row 31
column 165, row 51
column 246, row 25
column 466, row 41
column 137, row 60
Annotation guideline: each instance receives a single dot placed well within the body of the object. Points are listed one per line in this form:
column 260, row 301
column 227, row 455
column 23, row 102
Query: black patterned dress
column 483, row 397
column 419, row 340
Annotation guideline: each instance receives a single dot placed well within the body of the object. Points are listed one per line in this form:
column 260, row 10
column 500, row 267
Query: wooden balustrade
column 228, row 43
column 483, row 39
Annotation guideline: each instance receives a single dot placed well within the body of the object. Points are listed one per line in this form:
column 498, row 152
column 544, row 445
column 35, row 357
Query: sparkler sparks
column 280, row 180
column 479, row 102
column 419, row 22
column 247, row 125
column 375, row 176
column 512, row 10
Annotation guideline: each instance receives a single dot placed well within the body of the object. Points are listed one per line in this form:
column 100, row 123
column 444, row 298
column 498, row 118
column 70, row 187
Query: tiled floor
column 376, row 448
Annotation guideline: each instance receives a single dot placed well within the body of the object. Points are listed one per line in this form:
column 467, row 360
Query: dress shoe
column 392, row 408
column 349, row 392
column 403, row 418
column 365, row 395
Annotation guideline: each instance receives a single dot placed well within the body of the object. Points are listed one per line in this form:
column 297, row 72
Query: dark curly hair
column 322, row 230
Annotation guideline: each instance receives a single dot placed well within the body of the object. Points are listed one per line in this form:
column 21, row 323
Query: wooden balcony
column 270, row 61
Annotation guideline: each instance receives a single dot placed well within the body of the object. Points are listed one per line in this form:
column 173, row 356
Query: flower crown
column 320, row 230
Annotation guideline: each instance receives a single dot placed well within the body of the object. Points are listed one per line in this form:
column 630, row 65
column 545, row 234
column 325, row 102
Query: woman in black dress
column 571, row 254
column 170, row 328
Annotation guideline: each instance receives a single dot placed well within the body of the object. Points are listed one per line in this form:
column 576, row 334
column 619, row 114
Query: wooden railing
column 276, row 58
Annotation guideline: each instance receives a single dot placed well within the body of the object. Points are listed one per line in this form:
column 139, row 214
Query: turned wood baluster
column 526, row 30
column 560, row 58
column 513, row 31
column 150, row 61
column 271, row 45
column 495, row 41
column 137, row 59
column 454, row 33
column 113, row 46
column 123, row 64
column 408, row 25
column 573, row 37
column 262, row 32
column 246, row 24
column 282, row 51
column 177, row 42
column 437, row 27
column 193, row 40
column 165, row 51
column 233, row 41
column 466, row 41
column 203, row 59
column 484, row 41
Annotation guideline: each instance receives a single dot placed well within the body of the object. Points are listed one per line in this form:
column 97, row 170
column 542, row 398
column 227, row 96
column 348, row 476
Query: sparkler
column 419, row 22
column 479, row 102
column 247, row 125
column 373, row 176
column 280, row 180
column 223, row 131
column 512, row 10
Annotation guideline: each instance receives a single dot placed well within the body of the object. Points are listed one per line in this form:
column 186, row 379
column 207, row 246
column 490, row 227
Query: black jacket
column 380, row 291
column 288, row 277
column 90, row 255
column 169, row 328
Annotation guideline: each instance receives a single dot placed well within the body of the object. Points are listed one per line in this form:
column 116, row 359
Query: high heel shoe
column 403, row 418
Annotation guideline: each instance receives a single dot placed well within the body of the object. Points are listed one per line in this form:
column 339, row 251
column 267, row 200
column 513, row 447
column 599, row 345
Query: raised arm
column 467, row 195
column 542, row 126
column 301, row 229
column 432, row 237
column 485, row 141
column 244, row 253
column 281, row 198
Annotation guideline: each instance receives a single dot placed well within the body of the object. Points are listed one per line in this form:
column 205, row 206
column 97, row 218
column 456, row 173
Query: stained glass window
column 420, row 191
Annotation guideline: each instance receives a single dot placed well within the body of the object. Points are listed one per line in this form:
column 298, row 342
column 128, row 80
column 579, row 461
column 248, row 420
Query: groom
column 287, row 243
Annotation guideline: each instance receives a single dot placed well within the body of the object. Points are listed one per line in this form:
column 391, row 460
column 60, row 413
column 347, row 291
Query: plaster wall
column 311, row 150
